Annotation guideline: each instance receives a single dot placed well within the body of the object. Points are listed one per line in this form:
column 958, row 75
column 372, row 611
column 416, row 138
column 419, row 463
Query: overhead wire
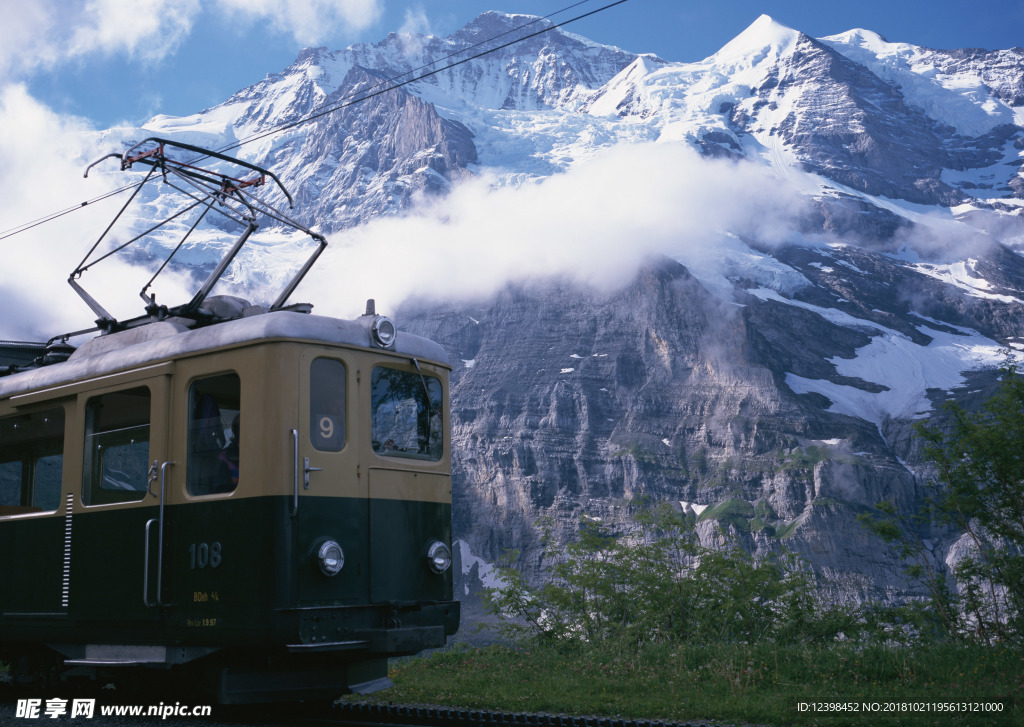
column 367, row 96
column 42, row 220
column 68, row 210
column 337, row 107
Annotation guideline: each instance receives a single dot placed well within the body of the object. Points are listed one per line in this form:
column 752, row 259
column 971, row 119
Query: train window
column 46, row 481
column 327, row 404
column 406, row 414
column 31, row 461
column 116, row 467
column 213, row 434
column 10, row 483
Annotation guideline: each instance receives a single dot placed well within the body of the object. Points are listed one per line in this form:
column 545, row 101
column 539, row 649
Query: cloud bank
column 42, row 157
column 309, row 22
column 43, row 34
column 594, row 225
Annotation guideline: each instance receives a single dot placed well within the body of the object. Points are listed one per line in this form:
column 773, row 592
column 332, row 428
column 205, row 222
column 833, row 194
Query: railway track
column 368, row 714
column 345, row 714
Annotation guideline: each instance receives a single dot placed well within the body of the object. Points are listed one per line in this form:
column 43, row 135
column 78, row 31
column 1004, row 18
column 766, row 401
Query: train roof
column 170, row 339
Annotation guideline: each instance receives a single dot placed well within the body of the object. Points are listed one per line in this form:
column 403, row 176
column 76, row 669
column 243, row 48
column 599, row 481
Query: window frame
column 219, row 465
column 39, row 446
column 93, row 496
column 317, row 425
column 435, row 407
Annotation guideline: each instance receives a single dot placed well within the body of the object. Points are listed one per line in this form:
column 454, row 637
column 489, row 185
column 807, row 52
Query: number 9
column 326, row 427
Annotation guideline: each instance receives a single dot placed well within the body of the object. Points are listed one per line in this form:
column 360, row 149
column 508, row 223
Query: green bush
column 661, row 585
column 979, row 491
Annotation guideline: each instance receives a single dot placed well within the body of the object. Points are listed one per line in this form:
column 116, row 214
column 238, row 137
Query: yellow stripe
column 415, row 486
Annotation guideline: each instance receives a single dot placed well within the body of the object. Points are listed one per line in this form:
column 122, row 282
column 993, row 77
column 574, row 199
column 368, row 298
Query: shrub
column 660, row 584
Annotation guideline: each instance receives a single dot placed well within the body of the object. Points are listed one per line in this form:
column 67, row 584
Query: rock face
column 381, row 152
column 776, row 401
column 568, row 403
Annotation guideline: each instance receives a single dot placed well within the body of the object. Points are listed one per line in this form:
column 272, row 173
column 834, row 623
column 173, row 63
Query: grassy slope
column 760, row 684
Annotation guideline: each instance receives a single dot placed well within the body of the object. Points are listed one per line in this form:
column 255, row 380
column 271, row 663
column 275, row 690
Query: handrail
column 145, row 567
column 295, row 471
column 159, row 520
column 160, row 538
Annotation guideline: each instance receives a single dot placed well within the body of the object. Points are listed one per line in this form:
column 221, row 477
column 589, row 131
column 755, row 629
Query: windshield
column 405, row 421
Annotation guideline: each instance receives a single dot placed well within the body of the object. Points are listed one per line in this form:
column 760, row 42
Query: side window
column 213, row 434
column 46, row 478
column 116, row 467
column 32, row 461
column 406, row 414
column 327, row 404
column 10, row 482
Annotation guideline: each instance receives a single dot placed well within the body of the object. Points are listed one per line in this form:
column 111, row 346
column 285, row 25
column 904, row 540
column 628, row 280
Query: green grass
column 805, row 457
column 760, row 684
column 786, row 530
column 735, row 511
column 747, row 518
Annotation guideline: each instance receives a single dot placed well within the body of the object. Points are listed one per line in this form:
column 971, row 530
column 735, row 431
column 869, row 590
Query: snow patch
column 893, row 360
column 963, row 275
column 697, row 509
column 907, row 369
column 486, row 572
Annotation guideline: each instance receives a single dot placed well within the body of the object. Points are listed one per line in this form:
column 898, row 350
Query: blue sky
column 122, row 61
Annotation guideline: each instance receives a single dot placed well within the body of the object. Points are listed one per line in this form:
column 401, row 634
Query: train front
column 367, row 516
column 343, row 505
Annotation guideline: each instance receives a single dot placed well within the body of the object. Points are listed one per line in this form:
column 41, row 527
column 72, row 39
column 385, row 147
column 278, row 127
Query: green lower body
column 230, row 587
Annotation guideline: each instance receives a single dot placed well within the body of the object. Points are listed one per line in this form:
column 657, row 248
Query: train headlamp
column 439, row 557
column 330, row 557
column 384, row 331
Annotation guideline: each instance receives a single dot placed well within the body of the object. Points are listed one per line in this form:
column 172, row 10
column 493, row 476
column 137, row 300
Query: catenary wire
column 337, row 107
column 42, row 220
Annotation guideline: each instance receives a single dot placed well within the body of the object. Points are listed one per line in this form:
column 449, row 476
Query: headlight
column 384, row 331
column 330, row 557
column 439, row 557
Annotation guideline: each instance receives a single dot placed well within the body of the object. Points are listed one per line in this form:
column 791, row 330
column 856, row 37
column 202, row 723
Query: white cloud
column 416, row 21
column 24, row 37
column 594, row 225
column 46, row 33
column 144, row 29
column 309, row 22
column 42, row 157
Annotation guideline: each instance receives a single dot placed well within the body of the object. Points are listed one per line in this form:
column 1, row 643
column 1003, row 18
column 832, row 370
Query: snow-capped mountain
column 848, row 256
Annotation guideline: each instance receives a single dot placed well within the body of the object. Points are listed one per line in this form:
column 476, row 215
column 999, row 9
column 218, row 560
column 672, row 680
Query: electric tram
column 249, row 496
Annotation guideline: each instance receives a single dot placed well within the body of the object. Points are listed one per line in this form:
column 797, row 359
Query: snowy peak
column 859, row 37
column 879, row 118
column 764, row 38
column 869, row 117
column 971, row 90
column 618, row 96
column 493, row 24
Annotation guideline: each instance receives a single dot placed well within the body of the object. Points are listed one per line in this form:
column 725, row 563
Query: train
column 247, row 498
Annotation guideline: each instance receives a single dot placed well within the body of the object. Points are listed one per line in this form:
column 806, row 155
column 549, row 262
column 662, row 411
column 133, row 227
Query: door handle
column 306, row 470
column 152, row 478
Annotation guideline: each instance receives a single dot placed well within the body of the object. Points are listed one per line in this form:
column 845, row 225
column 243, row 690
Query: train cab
column 266, row 501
